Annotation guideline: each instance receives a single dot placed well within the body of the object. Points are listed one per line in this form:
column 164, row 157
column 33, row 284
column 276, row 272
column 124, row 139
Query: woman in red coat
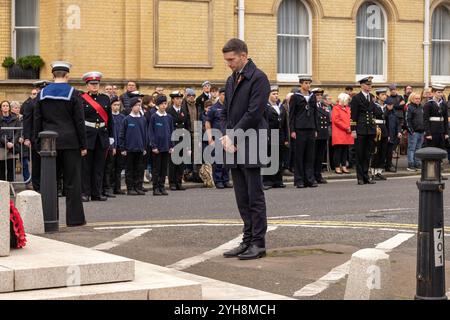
column 341, row 133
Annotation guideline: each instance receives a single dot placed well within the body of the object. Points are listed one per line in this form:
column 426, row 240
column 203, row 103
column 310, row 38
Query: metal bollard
column 48, row 188
column 430, row 243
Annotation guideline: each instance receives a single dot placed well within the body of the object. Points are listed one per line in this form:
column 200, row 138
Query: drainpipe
column 241, row 18
column 426, row 44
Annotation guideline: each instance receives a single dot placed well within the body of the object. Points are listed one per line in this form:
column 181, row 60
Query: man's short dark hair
column 60, row 74
column 348, row 88
column 235, row 45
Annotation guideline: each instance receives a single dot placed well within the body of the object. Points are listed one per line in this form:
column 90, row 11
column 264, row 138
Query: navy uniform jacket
column 362, row 113
column 59, row 109
column 91, row 115
column 435, row 110
column 278, row 121
column 245, row 108
column 302, row 113
column 393, row 125
column 380, row 116
column 180, row 120
column 200, row 102
column 27, row 111
column 323, row 116
column 213, row 116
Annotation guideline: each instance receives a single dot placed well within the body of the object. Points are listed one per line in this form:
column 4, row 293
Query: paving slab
column 4, row 219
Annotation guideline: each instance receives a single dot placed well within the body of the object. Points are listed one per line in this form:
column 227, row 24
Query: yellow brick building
column 177, row 43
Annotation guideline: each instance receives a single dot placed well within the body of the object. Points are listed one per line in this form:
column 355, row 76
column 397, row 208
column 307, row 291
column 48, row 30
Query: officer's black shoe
column 99, row 198
column 144, row 189
column 163, row 191
column 228, row 185
column 253, row 252
column 132, row 193
column 314, row 185
column 140, row 192
column 157, row 192
column 173, row 187
column 361, row 182
column 85, row 199
column 180, row 187
column 370, row 182
column 236, row 251
column 109, row 194
column 220, row 185
column 300, row 185
column 119, row 192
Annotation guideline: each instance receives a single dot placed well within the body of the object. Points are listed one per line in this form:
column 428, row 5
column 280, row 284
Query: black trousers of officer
column 108, row 174
column 93, row 170
column 70, row 162
column 160, row 162
column 175, row 173
column 319, row 158
column 251, row 203
column 118, row 166
column 304, row 157
column 35, row 170
column 379, row 159
column 364, row 148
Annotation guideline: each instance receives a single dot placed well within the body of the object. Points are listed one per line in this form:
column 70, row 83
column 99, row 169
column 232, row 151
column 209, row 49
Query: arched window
column 294, row 40
column 441, row 44
column 25, row 27
column 371, row 42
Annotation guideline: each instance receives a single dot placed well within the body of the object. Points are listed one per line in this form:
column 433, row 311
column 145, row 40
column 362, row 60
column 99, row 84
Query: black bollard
column 430, row 243
column 48, row 189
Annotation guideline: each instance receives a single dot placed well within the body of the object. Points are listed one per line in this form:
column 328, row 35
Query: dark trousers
column 364, row 147
column 70, row 161
column 108, row 174
column 304, row 157
column 389, row 155
column 175, row 173
column 35, row 170
column 437, row 141
column 340, row 154
column 8, row 166
column 160, row 162
column 379, row 158
column 351, row 156
column 135, row 162
column 275, row 179
column 118, row 166
column 93, row 168
column 220, row 174
column 251, row 203
column 319, row 158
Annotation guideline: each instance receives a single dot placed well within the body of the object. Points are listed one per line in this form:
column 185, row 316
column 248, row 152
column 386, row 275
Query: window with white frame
column 371, row 42
column 25, row 28
column 441, row 44
column 294, row 40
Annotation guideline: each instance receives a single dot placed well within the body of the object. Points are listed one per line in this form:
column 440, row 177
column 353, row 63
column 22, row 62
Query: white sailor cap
column 274, row 88
column 366, row 80
column 304, row 77
column 206, row 83
column 381, row 90
column 317, row 90
column 40, row 83
column 176, row 94
column 61, row 66
column 92, row 77
column 438, row 87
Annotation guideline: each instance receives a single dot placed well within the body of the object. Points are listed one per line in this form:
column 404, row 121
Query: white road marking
column 340, row 272
column 394, row 242
column 391, row 210
column 133, row 234
column 287, row 217
column 189, row 262
column 170, row 225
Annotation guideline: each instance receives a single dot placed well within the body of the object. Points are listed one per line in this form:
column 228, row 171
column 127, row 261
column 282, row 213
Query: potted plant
column 27, row 67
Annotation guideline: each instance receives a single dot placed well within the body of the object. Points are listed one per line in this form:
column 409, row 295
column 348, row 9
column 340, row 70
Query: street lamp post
column 48, row 186
column 430, row 243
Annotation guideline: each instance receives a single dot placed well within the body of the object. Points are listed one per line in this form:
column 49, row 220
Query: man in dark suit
column 59, row 109
column 246, row 94
column 205, row 96
column 363, row 129
column 99, row 134
column 323, row 134
column 27, row 111
column 181, row 120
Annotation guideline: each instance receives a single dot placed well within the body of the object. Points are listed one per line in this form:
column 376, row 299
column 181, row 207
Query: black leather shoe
column 157, row 192
column 361, row 182
column 85, row 199
column 120, row 192
column 233, row 253
column 253, row 252
column 109, row 195
column 163, row 192
column 301, row 186
column 266, row 187
column 322, row 181
column 99, row 198
column 220, row 186
column 132, row 193
column 140, row 192
column 228, row 185
column 314, row 185
column 370, row 182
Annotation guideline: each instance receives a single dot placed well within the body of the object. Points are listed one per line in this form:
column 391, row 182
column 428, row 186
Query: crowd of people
column 132, row 132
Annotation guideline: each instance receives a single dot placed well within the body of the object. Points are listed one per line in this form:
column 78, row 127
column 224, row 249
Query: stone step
column 149, row 284
column 46, row 263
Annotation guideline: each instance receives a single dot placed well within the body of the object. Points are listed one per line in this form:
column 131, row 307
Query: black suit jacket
column 302, row 113
column 278, row 121
column 363, row 114
column 27, row 111
column 245, row 109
